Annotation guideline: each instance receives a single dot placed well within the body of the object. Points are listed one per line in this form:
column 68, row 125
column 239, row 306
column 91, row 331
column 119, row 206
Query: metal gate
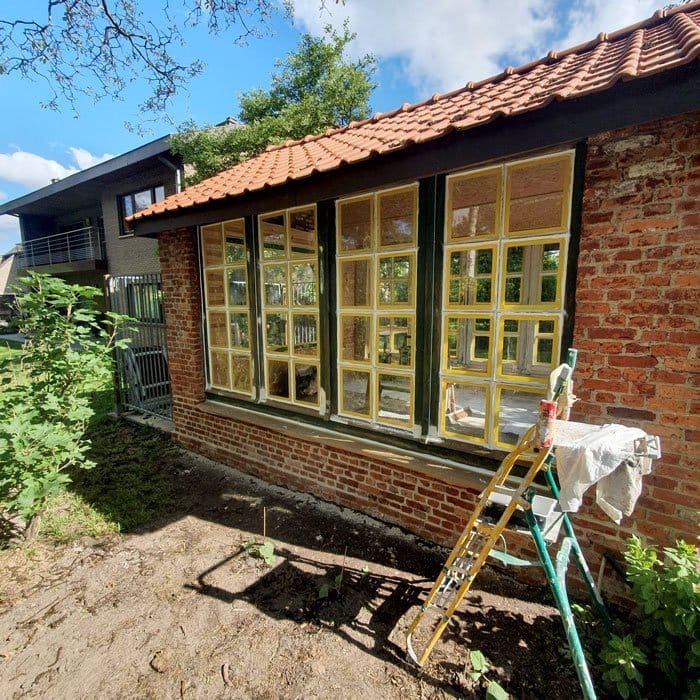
column 142, row 378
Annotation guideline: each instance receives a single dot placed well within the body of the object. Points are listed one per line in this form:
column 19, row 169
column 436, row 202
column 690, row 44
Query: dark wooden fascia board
column 560, row 123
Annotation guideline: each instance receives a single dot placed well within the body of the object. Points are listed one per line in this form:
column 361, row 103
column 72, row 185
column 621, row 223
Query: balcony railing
column 72, row 246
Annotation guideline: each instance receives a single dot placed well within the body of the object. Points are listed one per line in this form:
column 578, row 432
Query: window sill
column 448, row 471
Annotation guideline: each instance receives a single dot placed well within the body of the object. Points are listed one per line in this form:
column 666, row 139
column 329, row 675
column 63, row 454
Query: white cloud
column 34, row 171
column 443, row 44
column 9, row 232
column 85, row 159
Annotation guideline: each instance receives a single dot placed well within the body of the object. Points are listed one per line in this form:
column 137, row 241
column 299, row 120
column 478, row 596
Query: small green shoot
column 325, row 588
column 480, row 667
column 262, row 550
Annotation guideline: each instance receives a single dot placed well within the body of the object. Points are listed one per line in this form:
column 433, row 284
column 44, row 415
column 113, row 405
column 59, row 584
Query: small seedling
column 325, row 588
column 480, row 667
column 262, row 550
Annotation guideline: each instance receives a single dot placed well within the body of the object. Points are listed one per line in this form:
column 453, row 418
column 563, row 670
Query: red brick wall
column 637, row 324
column 636, row 328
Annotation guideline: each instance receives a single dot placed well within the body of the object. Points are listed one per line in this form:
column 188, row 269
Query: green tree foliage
column 314, row 88
column 45, row 402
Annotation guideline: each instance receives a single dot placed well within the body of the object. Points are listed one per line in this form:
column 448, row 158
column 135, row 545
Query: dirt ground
column 183, row 610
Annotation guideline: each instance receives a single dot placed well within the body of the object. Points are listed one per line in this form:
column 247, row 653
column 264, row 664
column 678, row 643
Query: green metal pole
column 562, row 602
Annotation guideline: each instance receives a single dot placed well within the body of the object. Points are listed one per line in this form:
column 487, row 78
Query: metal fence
column 143, row 381
column 71, row 246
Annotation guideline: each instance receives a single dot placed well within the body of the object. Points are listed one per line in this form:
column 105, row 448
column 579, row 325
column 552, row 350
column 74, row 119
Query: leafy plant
column 325, row 588
column 480, row 667
column 45, row 400
column 261, row 550
column 662, row 636
column 622, row 658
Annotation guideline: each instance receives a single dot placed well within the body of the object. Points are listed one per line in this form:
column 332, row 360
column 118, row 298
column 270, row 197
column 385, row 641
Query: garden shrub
column 45, row 402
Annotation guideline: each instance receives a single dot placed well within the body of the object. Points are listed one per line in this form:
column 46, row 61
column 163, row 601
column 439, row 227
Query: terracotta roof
column 670, row 38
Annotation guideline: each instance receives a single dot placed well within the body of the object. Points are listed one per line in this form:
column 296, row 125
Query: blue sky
column 422, row 47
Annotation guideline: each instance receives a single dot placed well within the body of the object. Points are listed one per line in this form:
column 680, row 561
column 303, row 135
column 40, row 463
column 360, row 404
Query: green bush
column 45, row 399
column 663, row 633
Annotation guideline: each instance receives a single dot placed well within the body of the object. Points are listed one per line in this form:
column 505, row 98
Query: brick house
column 370, row 314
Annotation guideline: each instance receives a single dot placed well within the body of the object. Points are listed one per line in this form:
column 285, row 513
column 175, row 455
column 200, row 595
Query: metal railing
column 143, row 381
column 72, row 246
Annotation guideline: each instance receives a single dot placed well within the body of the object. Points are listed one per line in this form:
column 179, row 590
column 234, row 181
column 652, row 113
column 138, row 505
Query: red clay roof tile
column 669, row 39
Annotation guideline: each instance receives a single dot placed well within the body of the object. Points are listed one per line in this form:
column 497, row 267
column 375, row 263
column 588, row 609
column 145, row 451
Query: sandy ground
column 183, row 610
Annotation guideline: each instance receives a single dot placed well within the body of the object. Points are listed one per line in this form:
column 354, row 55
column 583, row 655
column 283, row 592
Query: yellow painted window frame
column 411, row 330
column 412, row 394
column 261, row 235
column 288, row 227
column 340, row 252
column 287, row 272
column 447, row 277
column 488, row 416
column 413, row 188
column 266, row 344
column 486, row 373
column 473, row 175
column 560, row 273
column 313, row 363
column 240, row 311
column 369, row 259
column 556, row 347
column 341, row 387
column 301, row 311
column 351, row 314
column 495, row 415
column 564, row 222
column 413, row 279
column 248, row 357
column 282, row 359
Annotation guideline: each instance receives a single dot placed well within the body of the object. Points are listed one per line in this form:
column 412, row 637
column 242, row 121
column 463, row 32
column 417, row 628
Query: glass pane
column 537, row 197
column 395, row 341
column 237, row 287
column 306, row 383
column 355, row 282
column 356, row 225
column 305, row 334
column 465, row 409
column 219, row 369
column 278, row 379
column 470, row 277
column 355, row 396
column 241, row 373
column 234, row 234
column 276, row 332
column 216, row 295
column 468, row 344
column 273, row 236
column 516, row 414
column 143, row 199
column 530, row 348
column 127, row 205
column 217, row 329
column 275, row 285
column 513, row 290
column 397, row 218
column 240, row 332
column 395, row 280
column 159, row 193
column 304, row 284
column 211, row 245
column 474, row 203
column 302, row 232
column 394, row 397
column 545, row 350
column 548, row 289
column 355, row 338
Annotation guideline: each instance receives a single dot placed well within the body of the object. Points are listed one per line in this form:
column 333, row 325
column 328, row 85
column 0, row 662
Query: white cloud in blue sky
column 443, row 44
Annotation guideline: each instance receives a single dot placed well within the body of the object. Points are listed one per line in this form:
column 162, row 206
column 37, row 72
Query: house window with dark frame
column 499, row 322
column 136, row 201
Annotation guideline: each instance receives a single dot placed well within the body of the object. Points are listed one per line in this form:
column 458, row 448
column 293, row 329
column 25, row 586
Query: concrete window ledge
column 445, row 470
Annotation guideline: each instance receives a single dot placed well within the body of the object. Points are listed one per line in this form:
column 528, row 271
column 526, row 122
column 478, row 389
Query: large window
column 290, row 297
column 136, row 201
column 376, row 291
column 506, row 239
column 491, row 326
column 228, row 313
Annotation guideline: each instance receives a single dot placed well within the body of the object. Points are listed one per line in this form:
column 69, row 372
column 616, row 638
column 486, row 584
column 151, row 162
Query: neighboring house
column 74, row 228
column 371, row 314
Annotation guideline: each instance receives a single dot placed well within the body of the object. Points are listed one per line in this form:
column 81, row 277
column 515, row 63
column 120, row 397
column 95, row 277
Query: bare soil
column 182, row 609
